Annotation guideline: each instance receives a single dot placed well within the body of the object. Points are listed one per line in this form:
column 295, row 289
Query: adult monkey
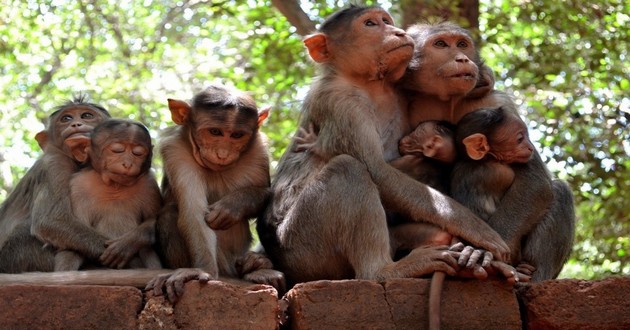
column 40, row 203
column 442, row 75
column 327, row 216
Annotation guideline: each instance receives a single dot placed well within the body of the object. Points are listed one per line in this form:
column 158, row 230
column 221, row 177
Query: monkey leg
column 23, row 252
column 556, row 231
column 67, row 260
column 337, row 229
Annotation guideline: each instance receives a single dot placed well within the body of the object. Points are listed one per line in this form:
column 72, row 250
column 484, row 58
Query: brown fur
column 327, row 217
column 117, row 194
column 216, row 177
column 40, row 203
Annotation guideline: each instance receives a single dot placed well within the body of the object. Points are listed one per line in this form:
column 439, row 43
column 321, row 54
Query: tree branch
column 295, row 15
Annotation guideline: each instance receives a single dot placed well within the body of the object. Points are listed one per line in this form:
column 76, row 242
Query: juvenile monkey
column 116, row 193
column 216, row 177
column 327, row 217
column 445, row 82
column 38, row 211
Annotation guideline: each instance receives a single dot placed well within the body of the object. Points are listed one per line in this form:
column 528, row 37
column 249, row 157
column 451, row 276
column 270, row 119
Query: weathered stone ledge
column 351, row 304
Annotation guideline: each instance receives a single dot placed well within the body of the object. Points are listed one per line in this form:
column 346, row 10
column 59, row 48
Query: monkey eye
column 370, row 22
column 87, row 115
column 440, row 43
column 462, row 44
column 117, row 148
column 65, row 118
column 215, row 131
column 237, row 135
column 520, row 137
column 139, row 151
column 387, row 21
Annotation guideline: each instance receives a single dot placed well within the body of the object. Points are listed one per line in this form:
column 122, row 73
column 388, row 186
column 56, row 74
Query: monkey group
column 407, row 162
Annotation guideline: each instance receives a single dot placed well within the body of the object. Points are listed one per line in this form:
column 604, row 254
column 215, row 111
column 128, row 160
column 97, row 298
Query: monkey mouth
column 401, row 46
column 464, row 75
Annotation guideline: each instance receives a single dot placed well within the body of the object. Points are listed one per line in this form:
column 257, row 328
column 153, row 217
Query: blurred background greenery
column 566, row 63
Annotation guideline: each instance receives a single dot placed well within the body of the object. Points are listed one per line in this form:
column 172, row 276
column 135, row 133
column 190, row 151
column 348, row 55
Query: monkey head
column 221, row 123
column 432, row 139
column 446, row 62
column 372, row 47
column 74, row 118
column 497, row 133
column 119, row 150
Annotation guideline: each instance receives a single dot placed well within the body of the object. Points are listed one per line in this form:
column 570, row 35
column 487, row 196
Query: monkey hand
column 172, row 284
column 305, row 140
column 219, row 217
column 118, row 252
column 526, row 269
column 470, row 256
column 510, row 273
column 270, row 277
column 252, row 261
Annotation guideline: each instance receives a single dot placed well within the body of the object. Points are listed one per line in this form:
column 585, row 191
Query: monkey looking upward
column 40, row 203
column 327, row 217
column 116, row 193
column 445, row 82
column 216, row 177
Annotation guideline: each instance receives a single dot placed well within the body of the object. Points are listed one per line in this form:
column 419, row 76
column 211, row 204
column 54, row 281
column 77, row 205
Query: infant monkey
column 116, row 193
column 428, row 153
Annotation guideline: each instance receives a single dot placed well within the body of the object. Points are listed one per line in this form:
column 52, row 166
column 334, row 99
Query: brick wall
column 351, row 304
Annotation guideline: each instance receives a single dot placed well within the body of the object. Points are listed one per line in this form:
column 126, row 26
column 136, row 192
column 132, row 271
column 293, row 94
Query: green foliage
column 568, row 62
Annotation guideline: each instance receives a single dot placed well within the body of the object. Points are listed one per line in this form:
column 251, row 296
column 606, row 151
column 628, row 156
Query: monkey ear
column 42, row 139
column 263, row 114
column 78, row 146
column 476, row 146
column 430, row 148
column 317, row 47
column 179, row 111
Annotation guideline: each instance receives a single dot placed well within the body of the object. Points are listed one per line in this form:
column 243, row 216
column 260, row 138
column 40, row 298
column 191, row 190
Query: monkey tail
column 435, row 298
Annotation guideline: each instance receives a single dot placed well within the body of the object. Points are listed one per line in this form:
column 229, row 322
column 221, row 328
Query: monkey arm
column 525, row 202
column 187, row 183
column 53, row 219
column 239, row 205
column 398, row 191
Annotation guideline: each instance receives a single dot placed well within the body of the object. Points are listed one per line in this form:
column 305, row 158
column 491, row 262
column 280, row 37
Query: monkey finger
column 474, row 258
column 479, row 272
column 465, row 255
column 506, row 270
column 487, row 258
column 459, row 247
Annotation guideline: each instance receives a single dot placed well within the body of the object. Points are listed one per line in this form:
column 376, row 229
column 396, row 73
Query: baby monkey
column 428, row 153
column 490, row 142
column 116, row 193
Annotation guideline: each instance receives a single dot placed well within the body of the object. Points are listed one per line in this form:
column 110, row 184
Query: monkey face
column 379, row 49
column 512, row 144
column 446, row 65
column 73, row 121
column 121, row 162
column 219, row 147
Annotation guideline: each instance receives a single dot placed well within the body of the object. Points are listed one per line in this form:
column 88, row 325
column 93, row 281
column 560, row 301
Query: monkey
column 39, row 211
column 216, row 177
column 489, row 140
column 327, row 216
column 432, row 148
column 117, row 192
column 444, row 82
